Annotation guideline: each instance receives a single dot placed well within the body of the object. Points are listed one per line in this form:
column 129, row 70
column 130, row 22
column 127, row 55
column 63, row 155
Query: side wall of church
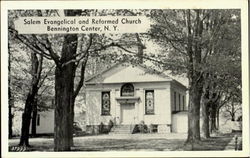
column 179, row 108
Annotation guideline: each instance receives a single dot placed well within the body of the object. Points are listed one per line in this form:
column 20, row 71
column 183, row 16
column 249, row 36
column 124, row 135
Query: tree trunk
column 64, row 95
column 232, row 113
column 77, row 90
column 213, row 120
column 34, row 117
column 10, row 123
column 205, row 116
column 194, row 114
column 64, row 91
column 140, row 48
column 195, row 77
column 26, row 117
column 11, row 104
column 218, row 119
column 72, row 121
column 11, row 101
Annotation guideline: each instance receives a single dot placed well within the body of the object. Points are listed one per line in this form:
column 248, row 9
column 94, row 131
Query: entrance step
column 122, row 129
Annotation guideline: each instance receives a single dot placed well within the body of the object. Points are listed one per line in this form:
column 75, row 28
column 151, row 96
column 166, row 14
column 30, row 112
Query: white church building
column 128, row 95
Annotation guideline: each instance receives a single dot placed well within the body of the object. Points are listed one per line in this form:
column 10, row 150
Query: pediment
column 127, row 73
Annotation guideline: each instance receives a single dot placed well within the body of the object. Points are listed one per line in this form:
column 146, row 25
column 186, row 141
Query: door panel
column 127, row 114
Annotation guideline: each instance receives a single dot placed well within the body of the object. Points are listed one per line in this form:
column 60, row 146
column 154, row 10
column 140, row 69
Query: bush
column 104, row 128
column 101, row 128
column 141, row 128
column 110, row 125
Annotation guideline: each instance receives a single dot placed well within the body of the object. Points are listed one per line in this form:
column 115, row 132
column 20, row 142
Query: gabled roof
column 126, row 72
column 99, row 74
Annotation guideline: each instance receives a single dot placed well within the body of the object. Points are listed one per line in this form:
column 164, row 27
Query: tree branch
column 42, row 81
column 80, row 83
column 53, row 55
column 29, row 44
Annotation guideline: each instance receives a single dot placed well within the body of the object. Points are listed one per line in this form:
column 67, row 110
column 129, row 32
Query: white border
column 138, row 4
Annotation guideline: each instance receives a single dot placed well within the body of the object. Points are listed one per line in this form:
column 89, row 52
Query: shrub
column 143, row 127
column 101, row 128
column 110, row 125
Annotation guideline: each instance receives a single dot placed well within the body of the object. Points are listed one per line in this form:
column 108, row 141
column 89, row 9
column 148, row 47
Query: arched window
column 127, row 90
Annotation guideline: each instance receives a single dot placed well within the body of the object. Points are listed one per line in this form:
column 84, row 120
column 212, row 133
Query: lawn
column 135, row 142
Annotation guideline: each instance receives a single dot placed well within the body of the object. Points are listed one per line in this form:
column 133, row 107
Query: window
column 179, row 102
column 184, row 103
column 38, row 120
column 175, row 101
column 105, row 103
column 149, row 101
column 183, row 99
column 127, row 90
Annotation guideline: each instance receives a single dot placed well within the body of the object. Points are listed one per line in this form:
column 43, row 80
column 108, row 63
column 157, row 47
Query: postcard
column 125, row 78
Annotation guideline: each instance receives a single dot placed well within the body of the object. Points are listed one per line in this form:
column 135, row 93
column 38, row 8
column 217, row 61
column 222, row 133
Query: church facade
column 128, row 94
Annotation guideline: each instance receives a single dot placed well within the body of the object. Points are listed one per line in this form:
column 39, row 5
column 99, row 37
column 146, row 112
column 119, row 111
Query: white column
column 118, row 107
column 113, row 103
column 136, row 119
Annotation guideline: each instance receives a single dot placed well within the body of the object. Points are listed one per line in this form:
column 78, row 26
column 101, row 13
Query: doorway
column 128, row 113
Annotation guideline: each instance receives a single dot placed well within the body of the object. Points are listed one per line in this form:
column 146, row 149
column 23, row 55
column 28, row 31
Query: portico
column 129, row 110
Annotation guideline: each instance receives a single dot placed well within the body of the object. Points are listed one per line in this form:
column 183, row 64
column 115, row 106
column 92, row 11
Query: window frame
column 175, row 109
column 129, row 95
column 102, row 104
column 179, row 97
column 145, row 104
column 183, row 102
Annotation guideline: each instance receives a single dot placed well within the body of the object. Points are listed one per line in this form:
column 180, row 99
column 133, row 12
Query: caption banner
column 98, row 24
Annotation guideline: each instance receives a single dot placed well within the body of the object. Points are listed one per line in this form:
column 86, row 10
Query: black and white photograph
column 149, row 79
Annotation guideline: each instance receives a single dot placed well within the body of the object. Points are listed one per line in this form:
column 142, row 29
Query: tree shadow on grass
column 213, row 143
column 154, row 144
column 128, row 145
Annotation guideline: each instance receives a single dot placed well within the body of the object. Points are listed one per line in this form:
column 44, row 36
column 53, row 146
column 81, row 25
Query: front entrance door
column 127, row 113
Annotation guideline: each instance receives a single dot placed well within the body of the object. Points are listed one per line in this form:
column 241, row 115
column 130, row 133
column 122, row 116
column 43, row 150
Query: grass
column 218, row 142
column 127, row 144
column 138, row 142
